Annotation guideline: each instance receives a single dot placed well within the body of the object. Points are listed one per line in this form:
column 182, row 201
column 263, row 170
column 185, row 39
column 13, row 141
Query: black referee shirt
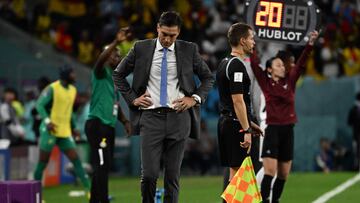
column 235, row 80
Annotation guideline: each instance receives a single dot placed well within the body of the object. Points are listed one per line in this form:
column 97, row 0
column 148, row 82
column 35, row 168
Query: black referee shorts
column 229, row 138
column 279, row 142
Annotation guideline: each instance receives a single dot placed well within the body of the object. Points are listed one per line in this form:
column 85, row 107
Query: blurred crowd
column 81, row 28
column 332, row 156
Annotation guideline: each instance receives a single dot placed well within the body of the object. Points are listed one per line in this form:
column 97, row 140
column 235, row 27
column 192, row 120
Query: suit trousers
column 163, row 136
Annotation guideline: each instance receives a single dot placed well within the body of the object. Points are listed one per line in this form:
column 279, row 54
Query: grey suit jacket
column 139, row 60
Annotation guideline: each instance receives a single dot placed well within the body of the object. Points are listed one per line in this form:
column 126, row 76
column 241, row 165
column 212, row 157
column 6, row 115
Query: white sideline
column 325, row 197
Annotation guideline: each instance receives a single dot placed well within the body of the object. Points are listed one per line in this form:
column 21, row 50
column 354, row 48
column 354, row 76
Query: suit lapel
column 149, row 56
column 178, row 55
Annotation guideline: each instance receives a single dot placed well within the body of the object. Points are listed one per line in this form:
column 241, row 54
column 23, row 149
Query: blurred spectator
column 17, row 105
column 19, row 6
column 351, row 59
column 324, row 159
column 42, row 82
column 42, row 23
column 81, row 109
column 63, row 39
column 68, row 8
column 215, row 41
column 354, row 123
column 85, row 49
column 28, row 119
column 346, row 10
column 330, row 58
column 6, row 12
column 342, row 156
column 110, row 7
column 142, row 20
column 333, row 156
column 10, row 124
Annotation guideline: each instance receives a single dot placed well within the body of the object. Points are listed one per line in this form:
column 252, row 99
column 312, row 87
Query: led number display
column 287, row 21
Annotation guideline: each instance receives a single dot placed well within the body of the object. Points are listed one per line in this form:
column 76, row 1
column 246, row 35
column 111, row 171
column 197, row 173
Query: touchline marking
column 325, row 197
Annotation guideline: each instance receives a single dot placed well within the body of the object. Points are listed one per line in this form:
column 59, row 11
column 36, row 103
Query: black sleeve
column 236, row 74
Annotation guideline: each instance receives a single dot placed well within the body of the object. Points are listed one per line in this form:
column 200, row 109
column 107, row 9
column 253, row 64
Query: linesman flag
column 243, row 187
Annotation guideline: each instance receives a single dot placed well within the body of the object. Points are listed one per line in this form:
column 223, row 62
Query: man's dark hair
column 284, row 55
column 64, row 71
column 11, row 90
column 236, row 32
column 170, row 18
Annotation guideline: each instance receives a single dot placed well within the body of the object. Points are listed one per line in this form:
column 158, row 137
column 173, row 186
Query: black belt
column 228, row 114
column 162, row 110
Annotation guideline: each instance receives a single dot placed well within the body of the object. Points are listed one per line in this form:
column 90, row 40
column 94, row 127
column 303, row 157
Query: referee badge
column 238, row 77
column 103, row 143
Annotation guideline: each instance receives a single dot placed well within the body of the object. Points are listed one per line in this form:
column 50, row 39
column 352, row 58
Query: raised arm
column 258, row 71
column 120, row 37
column 300, row 64
column 125, row 67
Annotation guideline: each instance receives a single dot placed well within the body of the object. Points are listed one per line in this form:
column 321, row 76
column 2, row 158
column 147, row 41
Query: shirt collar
column 159, row 47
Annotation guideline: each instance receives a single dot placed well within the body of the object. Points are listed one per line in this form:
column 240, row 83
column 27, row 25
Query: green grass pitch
column 300, row 188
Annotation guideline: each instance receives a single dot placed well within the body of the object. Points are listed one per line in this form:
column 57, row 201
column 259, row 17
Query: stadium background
column 36, row 37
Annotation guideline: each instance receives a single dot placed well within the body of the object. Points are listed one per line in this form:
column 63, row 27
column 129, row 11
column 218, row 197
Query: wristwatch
column 196, row 99
column 249, row 130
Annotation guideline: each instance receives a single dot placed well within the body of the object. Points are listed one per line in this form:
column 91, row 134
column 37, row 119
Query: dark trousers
column 163, row 137
column 101, row 157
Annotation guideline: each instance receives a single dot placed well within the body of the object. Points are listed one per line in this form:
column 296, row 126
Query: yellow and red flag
column 243, row 187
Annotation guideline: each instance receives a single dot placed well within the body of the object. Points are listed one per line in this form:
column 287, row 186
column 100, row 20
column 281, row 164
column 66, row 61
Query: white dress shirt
column 173, row 87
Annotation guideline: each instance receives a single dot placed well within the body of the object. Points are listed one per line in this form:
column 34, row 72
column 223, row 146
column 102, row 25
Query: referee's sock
column 265, row 188
column 277, row 190
column 80, row 172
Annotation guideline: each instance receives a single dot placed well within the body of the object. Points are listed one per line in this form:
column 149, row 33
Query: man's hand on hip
column 51, row 127
column 76, row 134
column 184, row 104
column 143, row 101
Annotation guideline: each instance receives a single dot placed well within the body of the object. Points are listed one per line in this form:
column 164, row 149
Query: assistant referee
column 278, row 87
column 234, row 125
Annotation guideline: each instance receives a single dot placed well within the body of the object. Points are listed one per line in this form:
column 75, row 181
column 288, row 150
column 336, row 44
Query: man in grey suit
column 164, row 101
